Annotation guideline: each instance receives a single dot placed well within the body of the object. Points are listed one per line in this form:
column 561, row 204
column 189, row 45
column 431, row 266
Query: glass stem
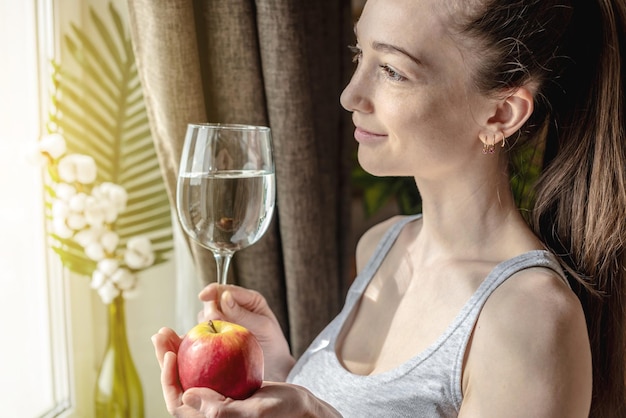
column 223, row 263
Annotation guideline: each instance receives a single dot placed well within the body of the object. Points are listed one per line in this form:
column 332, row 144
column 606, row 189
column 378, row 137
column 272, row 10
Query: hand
column 179, row 404
column 271, row 400
column 166, row 343
column 250, row 309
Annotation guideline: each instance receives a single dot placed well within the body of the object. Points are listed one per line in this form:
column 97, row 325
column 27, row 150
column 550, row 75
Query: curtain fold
column 280, row 63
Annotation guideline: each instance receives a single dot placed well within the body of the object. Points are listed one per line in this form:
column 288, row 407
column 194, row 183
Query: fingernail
column 227, row 297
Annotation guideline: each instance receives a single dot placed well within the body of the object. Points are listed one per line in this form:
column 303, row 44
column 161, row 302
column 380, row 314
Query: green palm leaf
column 100, row 111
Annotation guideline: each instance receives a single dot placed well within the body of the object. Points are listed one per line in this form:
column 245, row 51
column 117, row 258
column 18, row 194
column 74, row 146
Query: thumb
column 235, row 312
column 202, row 399
column 192, row 400
column 210, row 292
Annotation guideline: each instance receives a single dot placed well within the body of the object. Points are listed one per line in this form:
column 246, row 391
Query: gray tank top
column 429, row 384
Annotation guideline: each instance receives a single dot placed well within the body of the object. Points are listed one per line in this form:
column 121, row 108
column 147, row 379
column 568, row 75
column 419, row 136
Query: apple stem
column 212, row 326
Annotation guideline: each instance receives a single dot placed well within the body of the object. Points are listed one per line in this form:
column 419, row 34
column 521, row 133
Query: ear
column 510, row 114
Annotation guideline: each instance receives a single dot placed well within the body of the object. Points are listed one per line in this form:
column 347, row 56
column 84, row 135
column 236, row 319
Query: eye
column 391, row 73
column 356, row 53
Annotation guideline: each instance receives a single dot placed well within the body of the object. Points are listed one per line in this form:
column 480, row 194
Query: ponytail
column 580, row 207
column 574, row 52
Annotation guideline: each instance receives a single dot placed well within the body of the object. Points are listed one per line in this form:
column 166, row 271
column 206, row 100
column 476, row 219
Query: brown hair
column 574, row 52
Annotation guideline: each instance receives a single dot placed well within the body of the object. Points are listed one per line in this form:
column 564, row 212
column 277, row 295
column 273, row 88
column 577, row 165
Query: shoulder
column 369, row 240
column 530, row 351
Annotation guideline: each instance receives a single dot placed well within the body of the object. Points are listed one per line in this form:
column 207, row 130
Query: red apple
column 222, row 356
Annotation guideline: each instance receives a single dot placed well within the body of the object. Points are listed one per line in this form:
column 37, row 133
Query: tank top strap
column 507, row 268
column 499, row 274
column 466, row 320
column 383, row 247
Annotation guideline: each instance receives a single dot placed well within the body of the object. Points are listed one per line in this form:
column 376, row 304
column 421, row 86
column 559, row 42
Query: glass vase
column 118, row 389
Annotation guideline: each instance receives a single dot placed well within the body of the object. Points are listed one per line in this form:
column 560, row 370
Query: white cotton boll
column 60, row 210
column 60, row 214
column 86, row 170
column 88, row 236
column 64, row 191
column 53, row 144
column 94, row 212
column 134, row 260
column 109, row 212
column 139, row 253
column 109, row 241
column 108, row 292
column 108, row 266
column 119, row 197
column 60, row 228
column 97, row 279
column 77, row 168
column 76, row 221
column 95, row 251
column 140, row 244
column 67, row 168
column 35, row 157
column 77, row 202
column 113, row 193
column 124, row 279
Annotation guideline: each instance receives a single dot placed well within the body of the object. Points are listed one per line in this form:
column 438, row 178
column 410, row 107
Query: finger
column 205, row 400
column 172, row 392
column 157, row 349
column 201, row 316
column 170, row 337
column 192, row 400
column 209, row 292
column 238, row 302
column 234, row 311
column 210, row 311
column 165, row 340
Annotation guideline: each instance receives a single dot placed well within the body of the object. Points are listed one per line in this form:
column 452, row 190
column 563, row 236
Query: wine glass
column 226, row 188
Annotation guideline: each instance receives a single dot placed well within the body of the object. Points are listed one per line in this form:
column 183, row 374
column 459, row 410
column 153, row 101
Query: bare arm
column 529, row 354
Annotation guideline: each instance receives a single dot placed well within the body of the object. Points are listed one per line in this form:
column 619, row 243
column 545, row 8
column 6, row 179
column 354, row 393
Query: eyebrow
column 383, row 47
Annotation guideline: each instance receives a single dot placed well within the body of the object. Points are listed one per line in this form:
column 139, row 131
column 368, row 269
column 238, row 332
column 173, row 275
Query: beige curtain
column 280, row 63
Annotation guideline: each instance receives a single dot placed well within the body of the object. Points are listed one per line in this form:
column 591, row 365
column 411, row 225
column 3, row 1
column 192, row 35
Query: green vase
column 118, row 388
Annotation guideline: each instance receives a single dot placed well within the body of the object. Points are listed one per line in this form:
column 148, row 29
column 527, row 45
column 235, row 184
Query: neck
column 471, row 219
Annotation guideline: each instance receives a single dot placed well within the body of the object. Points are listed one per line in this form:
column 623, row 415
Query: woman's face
column 414, row 108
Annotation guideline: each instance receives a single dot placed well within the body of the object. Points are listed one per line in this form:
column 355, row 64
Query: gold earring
column 485, row 148
column 491, row 149
column 503, row 139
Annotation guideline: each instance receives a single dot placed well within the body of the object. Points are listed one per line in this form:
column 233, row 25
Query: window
column 53, row 325
column 32, row 308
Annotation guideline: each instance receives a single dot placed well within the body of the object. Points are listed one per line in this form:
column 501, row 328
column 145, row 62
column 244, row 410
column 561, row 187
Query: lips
column 366, row 137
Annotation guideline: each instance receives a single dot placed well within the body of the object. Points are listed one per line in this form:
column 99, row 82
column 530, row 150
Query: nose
column 355, row 96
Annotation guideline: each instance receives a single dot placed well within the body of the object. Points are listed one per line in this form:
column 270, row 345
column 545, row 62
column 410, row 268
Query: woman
column 467, row 310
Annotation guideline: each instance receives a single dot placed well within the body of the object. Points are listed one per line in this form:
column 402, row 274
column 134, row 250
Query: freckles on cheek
column 426, row 119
